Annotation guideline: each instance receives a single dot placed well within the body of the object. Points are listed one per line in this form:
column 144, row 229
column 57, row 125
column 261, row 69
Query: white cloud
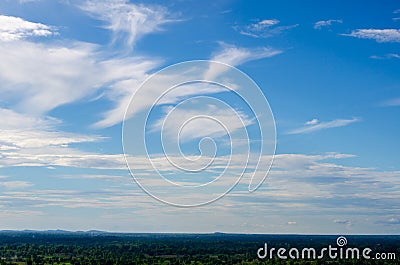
column 61, row 156
column 299, row 185
column 12, row 120
column 233, row 55
column 121, row 92
column 346, row 223
column 312, row 122
column 391, row 102
column 15, row 184
column 41, row 77
column 386, row 56
column 263, row 29
column 317, row 186
column 392, row 221
column 339, row 221
column 316, row 126
column 28, row 1
column 21, row 131
column 15, row 28
column 376, row 57
column 326, row 23
column 41, row 138
column 380, row 35
column 267, row 22
column 133, row 71
column 98, row 177
column 396, row 12
column 36, row 77
column 172, row 124
column 18, row 214
column 127, row 21
column 393, row 55
column 32, row 141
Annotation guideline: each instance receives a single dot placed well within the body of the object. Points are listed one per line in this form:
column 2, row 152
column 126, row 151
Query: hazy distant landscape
column 102, row 248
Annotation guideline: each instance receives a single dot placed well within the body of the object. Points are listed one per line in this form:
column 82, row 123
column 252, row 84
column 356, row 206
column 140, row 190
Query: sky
column 324, row 75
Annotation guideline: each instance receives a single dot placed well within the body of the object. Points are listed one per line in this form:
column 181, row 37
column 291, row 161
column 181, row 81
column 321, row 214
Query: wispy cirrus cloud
column 29, row 72
column 396, row 12
column 121, row 92
column 199, row 128
column 340, row 221
column 35, row 141
column 379, row 35
column 386, row 56
column 315, row 125
column 345, row 222
column 263, row 29
column 98, row 177
column 326, row 23
column 128, row 22
column 392, row 221
column 22, row 131
column 234, row 56
column 28, row 1
column 15, row 28
column 15, row 184
column 391, row 102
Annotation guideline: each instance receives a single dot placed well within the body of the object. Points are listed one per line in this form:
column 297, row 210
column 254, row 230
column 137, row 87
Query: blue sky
column 68, row 69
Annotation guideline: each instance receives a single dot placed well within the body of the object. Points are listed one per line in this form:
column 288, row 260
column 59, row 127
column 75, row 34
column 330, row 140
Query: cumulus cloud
column 379, row 35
